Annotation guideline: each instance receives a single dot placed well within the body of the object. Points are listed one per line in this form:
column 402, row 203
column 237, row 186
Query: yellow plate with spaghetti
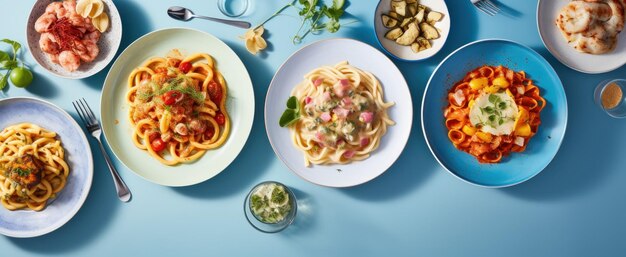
column 134, row 147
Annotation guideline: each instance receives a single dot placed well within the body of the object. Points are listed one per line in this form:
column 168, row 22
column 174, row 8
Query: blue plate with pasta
column 50, row 137
column 494, row 113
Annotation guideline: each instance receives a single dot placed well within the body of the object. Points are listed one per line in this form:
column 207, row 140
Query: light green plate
column 114, row 109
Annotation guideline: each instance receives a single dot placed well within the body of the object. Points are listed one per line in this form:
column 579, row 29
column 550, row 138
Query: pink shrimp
column 70, row 6
column 69, row 60
column 57, row 9
column 53, row 7
column 86, row 50
column 44, row 22
column 48, row 43
column 93, row 36
column 54, row 58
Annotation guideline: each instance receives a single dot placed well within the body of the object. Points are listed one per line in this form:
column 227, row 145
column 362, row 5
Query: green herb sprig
column 177, row 85
column 316, row 17
column 22, row 172
column 7, row 63
column 313, row 13
column 291, row 114
column 494, row 111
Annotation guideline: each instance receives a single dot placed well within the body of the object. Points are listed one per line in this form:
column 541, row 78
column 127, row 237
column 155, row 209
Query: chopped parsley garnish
column 495, row 117
column 22, row 172
column 181, row 84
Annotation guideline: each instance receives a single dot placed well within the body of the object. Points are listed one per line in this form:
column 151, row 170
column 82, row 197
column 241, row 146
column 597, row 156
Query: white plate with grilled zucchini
column 412, row 30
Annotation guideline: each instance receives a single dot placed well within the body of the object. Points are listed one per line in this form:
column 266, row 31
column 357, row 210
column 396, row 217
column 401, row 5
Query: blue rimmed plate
column 517, row 167
column 26, row 223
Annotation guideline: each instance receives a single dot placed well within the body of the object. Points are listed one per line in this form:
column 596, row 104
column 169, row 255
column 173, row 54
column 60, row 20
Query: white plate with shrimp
column 547, row 12
column 87, row 57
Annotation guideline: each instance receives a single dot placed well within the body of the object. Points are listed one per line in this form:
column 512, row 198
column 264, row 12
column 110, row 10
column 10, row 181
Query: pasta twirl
column 492, row 112
column 33, row 167
column 178, row 107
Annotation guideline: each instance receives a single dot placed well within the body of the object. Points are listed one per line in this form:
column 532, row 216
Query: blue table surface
column 573, row 208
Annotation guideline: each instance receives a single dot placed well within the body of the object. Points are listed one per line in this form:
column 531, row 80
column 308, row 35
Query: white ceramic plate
column 114, row 109
column 331, row 52
column 547, row 11
column 405, row 52
column 108, row 44
column 27, row 223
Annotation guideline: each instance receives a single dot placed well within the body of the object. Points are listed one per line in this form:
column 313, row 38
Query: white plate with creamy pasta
column 177, row 106
column 354, row 113
column 38, row 200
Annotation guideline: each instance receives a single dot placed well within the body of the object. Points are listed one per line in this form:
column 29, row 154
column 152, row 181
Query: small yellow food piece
column 164, row 122
column 101, row 22
column 254, row 40
column 523, row 130
column 90, row 8
column 491, row 89
column 501, row 82
column 469, row 130
column 97, row 8
column 81, row 8
column 334, row 117
column 508, row 92
column 485, row 137
column 471, row 103
column 522, row 117
column 478, row 83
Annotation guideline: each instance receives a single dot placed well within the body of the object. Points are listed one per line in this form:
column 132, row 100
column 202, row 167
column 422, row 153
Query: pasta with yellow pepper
column 492, row 112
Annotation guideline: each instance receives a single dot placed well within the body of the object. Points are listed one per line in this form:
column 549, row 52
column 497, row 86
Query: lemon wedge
column 83, row 7
column 97, row 8
column 101, row 22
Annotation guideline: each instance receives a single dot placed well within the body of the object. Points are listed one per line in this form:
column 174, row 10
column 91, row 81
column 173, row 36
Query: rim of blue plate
column 542, row 59
column 398, row 57
column 72, row 212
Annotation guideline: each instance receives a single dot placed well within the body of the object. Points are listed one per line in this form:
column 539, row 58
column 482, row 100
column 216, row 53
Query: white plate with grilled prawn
column 584, row 34
column 177, row 106
column 74, row 39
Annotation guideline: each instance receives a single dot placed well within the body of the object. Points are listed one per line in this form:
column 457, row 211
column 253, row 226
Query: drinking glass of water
column 233, row 8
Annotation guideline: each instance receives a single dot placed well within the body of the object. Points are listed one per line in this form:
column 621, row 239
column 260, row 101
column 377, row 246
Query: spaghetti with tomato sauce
column 492, row 112
column 177, row 107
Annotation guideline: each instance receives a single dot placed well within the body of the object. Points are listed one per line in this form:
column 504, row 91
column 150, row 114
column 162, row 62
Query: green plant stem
column 276, row 13
column 297, row 38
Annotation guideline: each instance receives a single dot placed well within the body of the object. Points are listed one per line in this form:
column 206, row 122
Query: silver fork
column 486, row 6
column 93, row 126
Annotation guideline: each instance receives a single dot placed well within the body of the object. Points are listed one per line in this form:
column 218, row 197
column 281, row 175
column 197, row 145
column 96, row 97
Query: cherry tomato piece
column 153, row 135
column 170, row 97
column 184, row 67
column 220, row 118
column 209, row 132
column 157, row 145
column 215, row 92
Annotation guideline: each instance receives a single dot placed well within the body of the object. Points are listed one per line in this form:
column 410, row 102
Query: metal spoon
column 184, row 14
